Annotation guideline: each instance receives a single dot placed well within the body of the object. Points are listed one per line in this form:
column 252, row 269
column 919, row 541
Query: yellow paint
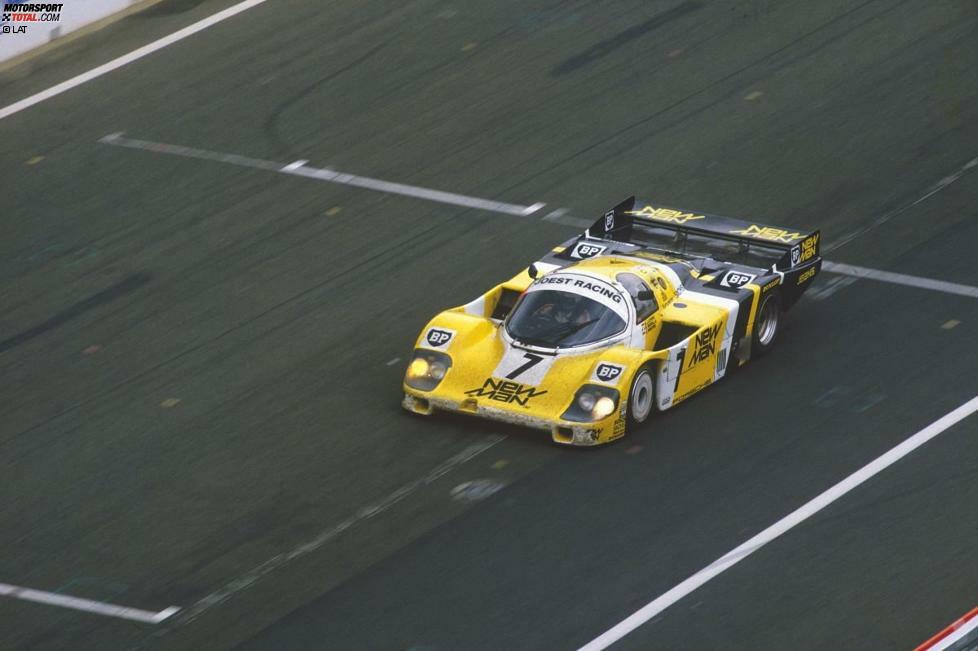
column 665, row 215
column 471, row 387
column 953, row 323
column 35, row 160
column 769, row 233
column 756, row 303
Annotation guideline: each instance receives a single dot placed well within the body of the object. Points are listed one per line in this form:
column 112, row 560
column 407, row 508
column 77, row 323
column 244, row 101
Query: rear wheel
column 641, row 398
column 769, row 317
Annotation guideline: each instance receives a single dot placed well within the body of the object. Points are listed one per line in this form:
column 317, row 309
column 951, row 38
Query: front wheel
column 768, row 324
column 642, row 395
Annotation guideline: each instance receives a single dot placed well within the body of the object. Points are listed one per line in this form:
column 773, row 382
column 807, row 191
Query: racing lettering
column 806, row 275
column 768, row 233
column 704, row 346
column 809, row 247
column 666, row 215
column 601, row 290
column 505, row 391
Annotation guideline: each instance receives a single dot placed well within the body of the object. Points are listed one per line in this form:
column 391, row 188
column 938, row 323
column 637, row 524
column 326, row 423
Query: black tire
column 767, row 326
column 641, row 395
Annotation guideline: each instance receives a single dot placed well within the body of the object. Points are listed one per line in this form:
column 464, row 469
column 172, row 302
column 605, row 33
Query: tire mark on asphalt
column 618, row 133
column 393, row 248
column 271, row 126
column 114, row 292
column 612, row 43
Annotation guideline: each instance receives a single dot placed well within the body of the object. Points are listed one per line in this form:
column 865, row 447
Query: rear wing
column 698, row 234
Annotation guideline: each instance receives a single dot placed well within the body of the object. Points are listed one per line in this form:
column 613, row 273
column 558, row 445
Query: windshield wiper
column 557, row 336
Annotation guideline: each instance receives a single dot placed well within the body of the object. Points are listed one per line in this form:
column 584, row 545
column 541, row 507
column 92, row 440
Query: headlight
column 592, row 402
column 418, row 367
column 585, row 400
column 437, row 370
column 427, row 369
column 603, row 408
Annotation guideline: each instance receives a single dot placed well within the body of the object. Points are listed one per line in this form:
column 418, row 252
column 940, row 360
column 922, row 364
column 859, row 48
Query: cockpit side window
column 642, row 296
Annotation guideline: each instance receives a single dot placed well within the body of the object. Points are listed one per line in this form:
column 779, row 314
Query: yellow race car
column 638, row 313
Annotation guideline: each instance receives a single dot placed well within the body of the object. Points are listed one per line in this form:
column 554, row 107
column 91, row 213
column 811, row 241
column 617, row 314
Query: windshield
column 553, row 318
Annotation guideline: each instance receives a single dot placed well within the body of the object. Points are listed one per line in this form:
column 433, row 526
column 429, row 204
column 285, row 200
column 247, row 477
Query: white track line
column 728, row 560
column 87, row 605
column 298, row 168
column 126, row 59
column 900, row 279
column 275, row 562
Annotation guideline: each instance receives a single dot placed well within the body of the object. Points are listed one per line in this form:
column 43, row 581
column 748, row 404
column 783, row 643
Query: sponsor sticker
column 505, row 391
column 808, row 248
column 666, row 215
column 768, row 233
column 805, row 275
column 736, row 279
column 795, row 255
column 703, row 345
column 439, row 337
column 584, row 250
column 607, row 372
column 609, row 220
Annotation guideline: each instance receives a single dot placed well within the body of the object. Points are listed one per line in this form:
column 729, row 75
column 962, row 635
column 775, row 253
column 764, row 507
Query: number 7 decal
column 533, row 361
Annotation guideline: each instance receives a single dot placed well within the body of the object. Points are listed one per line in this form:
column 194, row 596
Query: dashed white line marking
column 330, row 176
column 299, row 168
column 393, row 361
column 126, row 59
column 275, row 562
column 900, row 279
column 86, row 605
column 793, row 519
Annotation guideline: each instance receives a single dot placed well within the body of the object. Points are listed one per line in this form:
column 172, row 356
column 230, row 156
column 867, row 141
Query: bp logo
column 609, row 220
column 584, row 250
column 606, row 372
column 736, row 279
column 439, row 337
column 795, row 255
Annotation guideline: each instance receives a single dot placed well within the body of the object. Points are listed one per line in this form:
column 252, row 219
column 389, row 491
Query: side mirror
column 533, row 271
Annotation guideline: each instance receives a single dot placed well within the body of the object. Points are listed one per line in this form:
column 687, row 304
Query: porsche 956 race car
column 644, row 309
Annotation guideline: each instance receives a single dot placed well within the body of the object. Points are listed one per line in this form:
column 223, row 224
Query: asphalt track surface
column 196, row 357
